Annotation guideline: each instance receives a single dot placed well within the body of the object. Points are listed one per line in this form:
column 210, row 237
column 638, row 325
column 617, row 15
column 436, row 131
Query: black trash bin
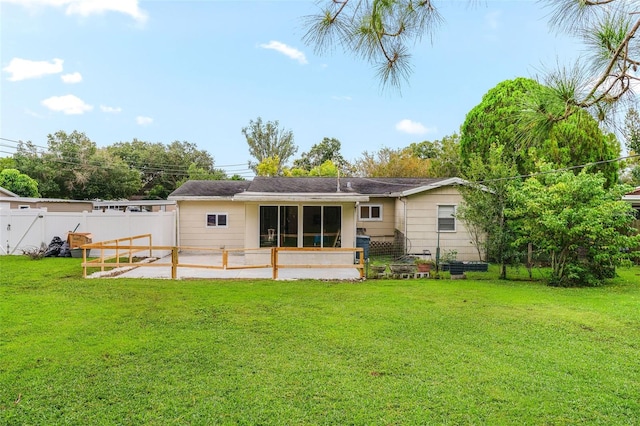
column 363, row 242
column 456, row 268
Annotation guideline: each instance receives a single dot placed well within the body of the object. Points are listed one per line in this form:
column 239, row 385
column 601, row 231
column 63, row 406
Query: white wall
column 29, row 228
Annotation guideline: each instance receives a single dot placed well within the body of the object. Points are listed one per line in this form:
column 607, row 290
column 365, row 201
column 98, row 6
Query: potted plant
column 424, row 265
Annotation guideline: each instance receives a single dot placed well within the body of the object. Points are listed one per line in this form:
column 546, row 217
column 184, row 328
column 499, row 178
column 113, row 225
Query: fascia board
column 44, row 200
column 318, row 197
column 439, row 184
column 199, row 198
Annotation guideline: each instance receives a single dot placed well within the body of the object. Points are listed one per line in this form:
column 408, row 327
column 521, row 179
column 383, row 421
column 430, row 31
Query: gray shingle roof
column 301, row 185
column 211, row 188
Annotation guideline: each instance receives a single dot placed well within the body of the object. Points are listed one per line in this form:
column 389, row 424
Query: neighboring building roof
column 127, row 203
column 309, row 187
column 4, row 192
column 46, row 200
column 633, row 196
column 635, row 192
column 209, row 188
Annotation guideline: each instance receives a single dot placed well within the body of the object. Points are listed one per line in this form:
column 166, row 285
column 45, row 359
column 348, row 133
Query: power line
column 562, row 169
column 246, row 172
column 154, row 166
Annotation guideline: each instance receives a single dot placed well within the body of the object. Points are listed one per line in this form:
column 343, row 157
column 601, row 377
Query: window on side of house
column 217, row 220
column 446, row 218
column 370, row 212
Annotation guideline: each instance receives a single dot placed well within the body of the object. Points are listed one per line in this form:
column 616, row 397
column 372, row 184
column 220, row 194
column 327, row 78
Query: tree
column 268, row 166
column 19, row 183
column 499, row 119
column 582, row 227
column 327, row 149
column 486, row 199
column 269, row 140
column 388, row 162
column 163, row 167
column 608, row 30
column 379, row 31
column 61, row 171
column 110, row 178
column 198, row 173
column 7, row 163
column 443, row 155
column 631, row 132
column 376, row 30
column 73, row 167
column 325, row 169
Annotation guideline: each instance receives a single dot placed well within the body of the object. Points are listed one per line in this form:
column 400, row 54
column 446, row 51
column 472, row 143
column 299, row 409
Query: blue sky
column 198, row 71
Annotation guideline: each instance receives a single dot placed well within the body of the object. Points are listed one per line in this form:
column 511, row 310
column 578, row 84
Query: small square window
column 216, row 220
column 370, row 212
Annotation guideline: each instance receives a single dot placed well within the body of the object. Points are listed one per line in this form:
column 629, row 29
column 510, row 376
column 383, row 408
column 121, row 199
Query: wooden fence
column 123, row 252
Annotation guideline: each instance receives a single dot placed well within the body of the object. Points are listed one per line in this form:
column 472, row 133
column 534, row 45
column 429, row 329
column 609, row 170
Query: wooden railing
column 120, row 253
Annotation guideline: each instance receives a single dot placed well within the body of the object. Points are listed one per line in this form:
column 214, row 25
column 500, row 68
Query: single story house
column 10, row 200
column 633, row 197
column 416, row 215
column 134, row 205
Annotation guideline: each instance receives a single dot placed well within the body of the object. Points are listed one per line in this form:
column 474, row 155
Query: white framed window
column 217, row 220
column 446, row 218
column 24, row 206
column 370, row 212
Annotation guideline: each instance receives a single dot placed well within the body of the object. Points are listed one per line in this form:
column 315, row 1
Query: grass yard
column 381, row 352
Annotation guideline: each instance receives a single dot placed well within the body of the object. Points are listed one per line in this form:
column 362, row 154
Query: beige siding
column 379, row 229
column 422, row 212
column 192, row 227
column 243, row 228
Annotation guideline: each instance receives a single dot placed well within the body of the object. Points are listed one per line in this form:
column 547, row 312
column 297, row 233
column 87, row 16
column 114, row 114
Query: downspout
column 406, row 238
column 177, row 224
column 355, row 224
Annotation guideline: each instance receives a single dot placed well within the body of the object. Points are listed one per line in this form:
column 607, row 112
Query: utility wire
column 246, row 172
column 142, row 167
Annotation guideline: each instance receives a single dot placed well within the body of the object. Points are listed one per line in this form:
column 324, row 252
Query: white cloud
column 90, row 7
column 413, row 127
column 68, row 104
column 289, row 51
column 144, row 121
column 72, row 78
column 23, row 69
column 112, row 110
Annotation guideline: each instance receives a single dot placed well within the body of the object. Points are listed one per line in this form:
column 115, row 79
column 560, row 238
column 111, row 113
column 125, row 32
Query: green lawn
column 381, row 352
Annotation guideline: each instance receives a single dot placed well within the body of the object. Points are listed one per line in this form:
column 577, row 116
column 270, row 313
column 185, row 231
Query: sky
column 199, row 71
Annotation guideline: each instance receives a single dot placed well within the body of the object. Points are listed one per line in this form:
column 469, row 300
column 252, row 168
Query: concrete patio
column 164, row 272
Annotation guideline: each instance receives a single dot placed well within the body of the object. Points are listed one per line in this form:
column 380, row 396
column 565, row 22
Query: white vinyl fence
column 30, row 228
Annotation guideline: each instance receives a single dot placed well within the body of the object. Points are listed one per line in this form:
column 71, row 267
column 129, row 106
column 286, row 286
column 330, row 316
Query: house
column 10, row 200
column 416, row 215
column 134, row 205
column 633, row 197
